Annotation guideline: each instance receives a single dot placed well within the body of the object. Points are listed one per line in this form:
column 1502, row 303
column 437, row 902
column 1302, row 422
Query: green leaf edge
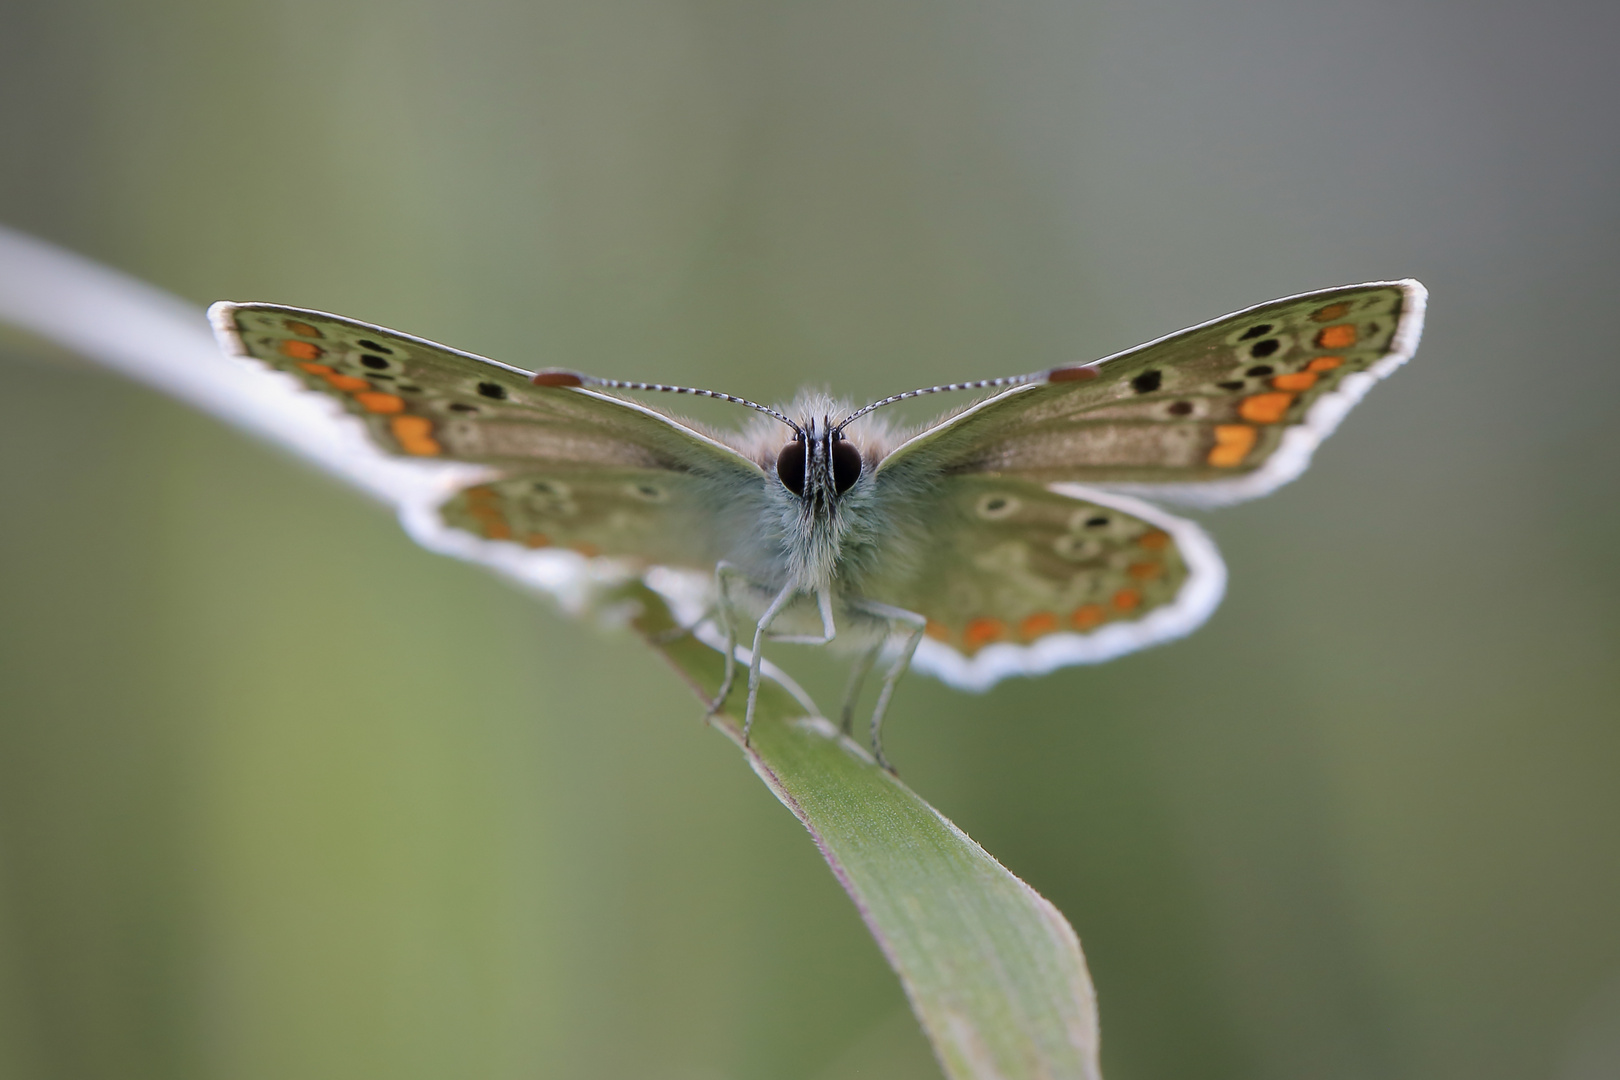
column 993, row 971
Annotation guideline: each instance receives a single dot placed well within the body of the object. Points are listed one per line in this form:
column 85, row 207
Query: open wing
column 1224, row 411
column 1019, row 579
column 570, row 467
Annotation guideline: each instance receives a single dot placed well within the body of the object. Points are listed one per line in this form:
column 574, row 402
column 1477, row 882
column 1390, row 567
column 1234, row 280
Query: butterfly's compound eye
column 790, row 466
column 846, row 466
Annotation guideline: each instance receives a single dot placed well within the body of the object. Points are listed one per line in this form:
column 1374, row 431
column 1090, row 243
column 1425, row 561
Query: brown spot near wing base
column 302, row 329
column 557, row 378
column 1071, row 374
column 1331, row 312
column 1038, row 625
column 982, row 631
column 1265, row 408
column 1341, row 336
column 415, row 435
column 1232, row 444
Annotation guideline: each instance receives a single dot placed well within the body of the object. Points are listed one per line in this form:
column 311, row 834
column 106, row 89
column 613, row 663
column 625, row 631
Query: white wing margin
column 1293, row 455
column 1193, row 605
column 163, row 342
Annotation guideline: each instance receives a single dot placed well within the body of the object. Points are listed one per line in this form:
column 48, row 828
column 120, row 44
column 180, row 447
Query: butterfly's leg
column 754, row 661
column 828, row 630
column 852, row 689
column 913, row 624
column 723, row 572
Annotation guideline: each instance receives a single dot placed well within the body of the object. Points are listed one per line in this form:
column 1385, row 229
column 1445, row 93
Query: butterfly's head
column 818, row 465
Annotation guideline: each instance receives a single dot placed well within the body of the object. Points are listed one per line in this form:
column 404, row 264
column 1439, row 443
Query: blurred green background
column 283, row 796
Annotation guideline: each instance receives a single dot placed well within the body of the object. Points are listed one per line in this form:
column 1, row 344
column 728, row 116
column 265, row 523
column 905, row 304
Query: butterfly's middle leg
column 726, row 615
column 912, row 624
column 857, row 679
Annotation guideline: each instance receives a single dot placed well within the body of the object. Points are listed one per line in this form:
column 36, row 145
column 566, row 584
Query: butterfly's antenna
column 574, row 378
column 1062, row 374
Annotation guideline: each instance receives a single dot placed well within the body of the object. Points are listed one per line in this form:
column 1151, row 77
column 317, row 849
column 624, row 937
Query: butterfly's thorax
column 827, row 528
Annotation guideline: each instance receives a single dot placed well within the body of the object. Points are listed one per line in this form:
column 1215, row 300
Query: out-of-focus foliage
column 282, row 795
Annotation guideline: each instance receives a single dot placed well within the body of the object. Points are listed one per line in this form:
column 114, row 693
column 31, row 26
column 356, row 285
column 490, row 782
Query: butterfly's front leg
column 913, row 625
column 757, row 658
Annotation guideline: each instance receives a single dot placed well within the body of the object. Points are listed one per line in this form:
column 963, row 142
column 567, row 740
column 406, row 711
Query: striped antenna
column 979, row 384
column 574, row 378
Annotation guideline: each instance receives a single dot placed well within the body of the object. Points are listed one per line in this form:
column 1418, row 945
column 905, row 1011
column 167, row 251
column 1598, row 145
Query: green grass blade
column 994, row 972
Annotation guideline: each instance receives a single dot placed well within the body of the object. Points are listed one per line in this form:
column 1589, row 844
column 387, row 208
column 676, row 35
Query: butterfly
column 1007, row 537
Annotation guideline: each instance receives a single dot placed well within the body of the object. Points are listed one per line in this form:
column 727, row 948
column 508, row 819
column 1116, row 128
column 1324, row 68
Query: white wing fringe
column 166, row 343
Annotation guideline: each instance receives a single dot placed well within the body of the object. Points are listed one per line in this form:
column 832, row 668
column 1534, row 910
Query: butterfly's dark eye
column 492, row 390
column 1256, row 331
column 790, row 467
column 1147, row 382
column 846, row 466
column 374, row 347
column 1262, row 349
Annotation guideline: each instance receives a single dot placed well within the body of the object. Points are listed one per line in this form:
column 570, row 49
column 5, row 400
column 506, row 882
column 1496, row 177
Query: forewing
column 1221, row 412
column 1022, row 579
column 420, row 399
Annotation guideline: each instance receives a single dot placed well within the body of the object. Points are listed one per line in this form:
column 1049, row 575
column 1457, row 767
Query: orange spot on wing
column 1265, row 408
column 316, row 369
column 1038, row 624
column 537, row 540
column 1341, row 336
column 1088, row 617
column 302, row 329
column 983, row 631
column 1331, row 312
column 346, row 383
column 496, row 528
column 1155, row 540
column 1127, row 600
column 300, row 350
column 1145, row 571
column 1324, row 363
column 1232, row 444
column 1299, row 380
column 590, row 551
column 378, row 402
column 937, row 630
column 415, row 435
